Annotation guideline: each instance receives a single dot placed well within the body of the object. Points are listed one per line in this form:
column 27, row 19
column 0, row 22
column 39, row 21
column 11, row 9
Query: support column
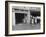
column 28, row 15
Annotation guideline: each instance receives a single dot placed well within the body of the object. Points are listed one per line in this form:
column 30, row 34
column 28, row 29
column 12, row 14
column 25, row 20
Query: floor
column 26, row 27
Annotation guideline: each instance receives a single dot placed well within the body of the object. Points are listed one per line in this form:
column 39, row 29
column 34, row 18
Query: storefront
column 25, row 15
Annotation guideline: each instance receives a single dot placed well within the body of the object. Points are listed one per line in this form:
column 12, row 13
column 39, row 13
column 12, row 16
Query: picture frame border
column 6, row 18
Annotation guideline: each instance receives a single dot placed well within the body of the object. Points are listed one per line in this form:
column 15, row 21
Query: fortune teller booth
column 26, row 15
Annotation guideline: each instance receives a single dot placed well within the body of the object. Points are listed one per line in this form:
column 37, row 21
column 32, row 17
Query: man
column 25, row 20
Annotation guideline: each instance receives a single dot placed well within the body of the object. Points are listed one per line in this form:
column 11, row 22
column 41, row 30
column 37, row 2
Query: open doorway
column 20, row 18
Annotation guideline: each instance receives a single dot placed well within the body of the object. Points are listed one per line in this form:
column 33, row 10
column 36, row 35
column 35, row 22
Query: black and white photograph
column 24, row 18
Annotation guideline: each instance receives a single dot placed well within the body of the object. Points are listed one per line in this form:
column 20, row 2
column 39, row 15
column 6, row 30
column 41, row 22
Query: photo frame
column 24, row 18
